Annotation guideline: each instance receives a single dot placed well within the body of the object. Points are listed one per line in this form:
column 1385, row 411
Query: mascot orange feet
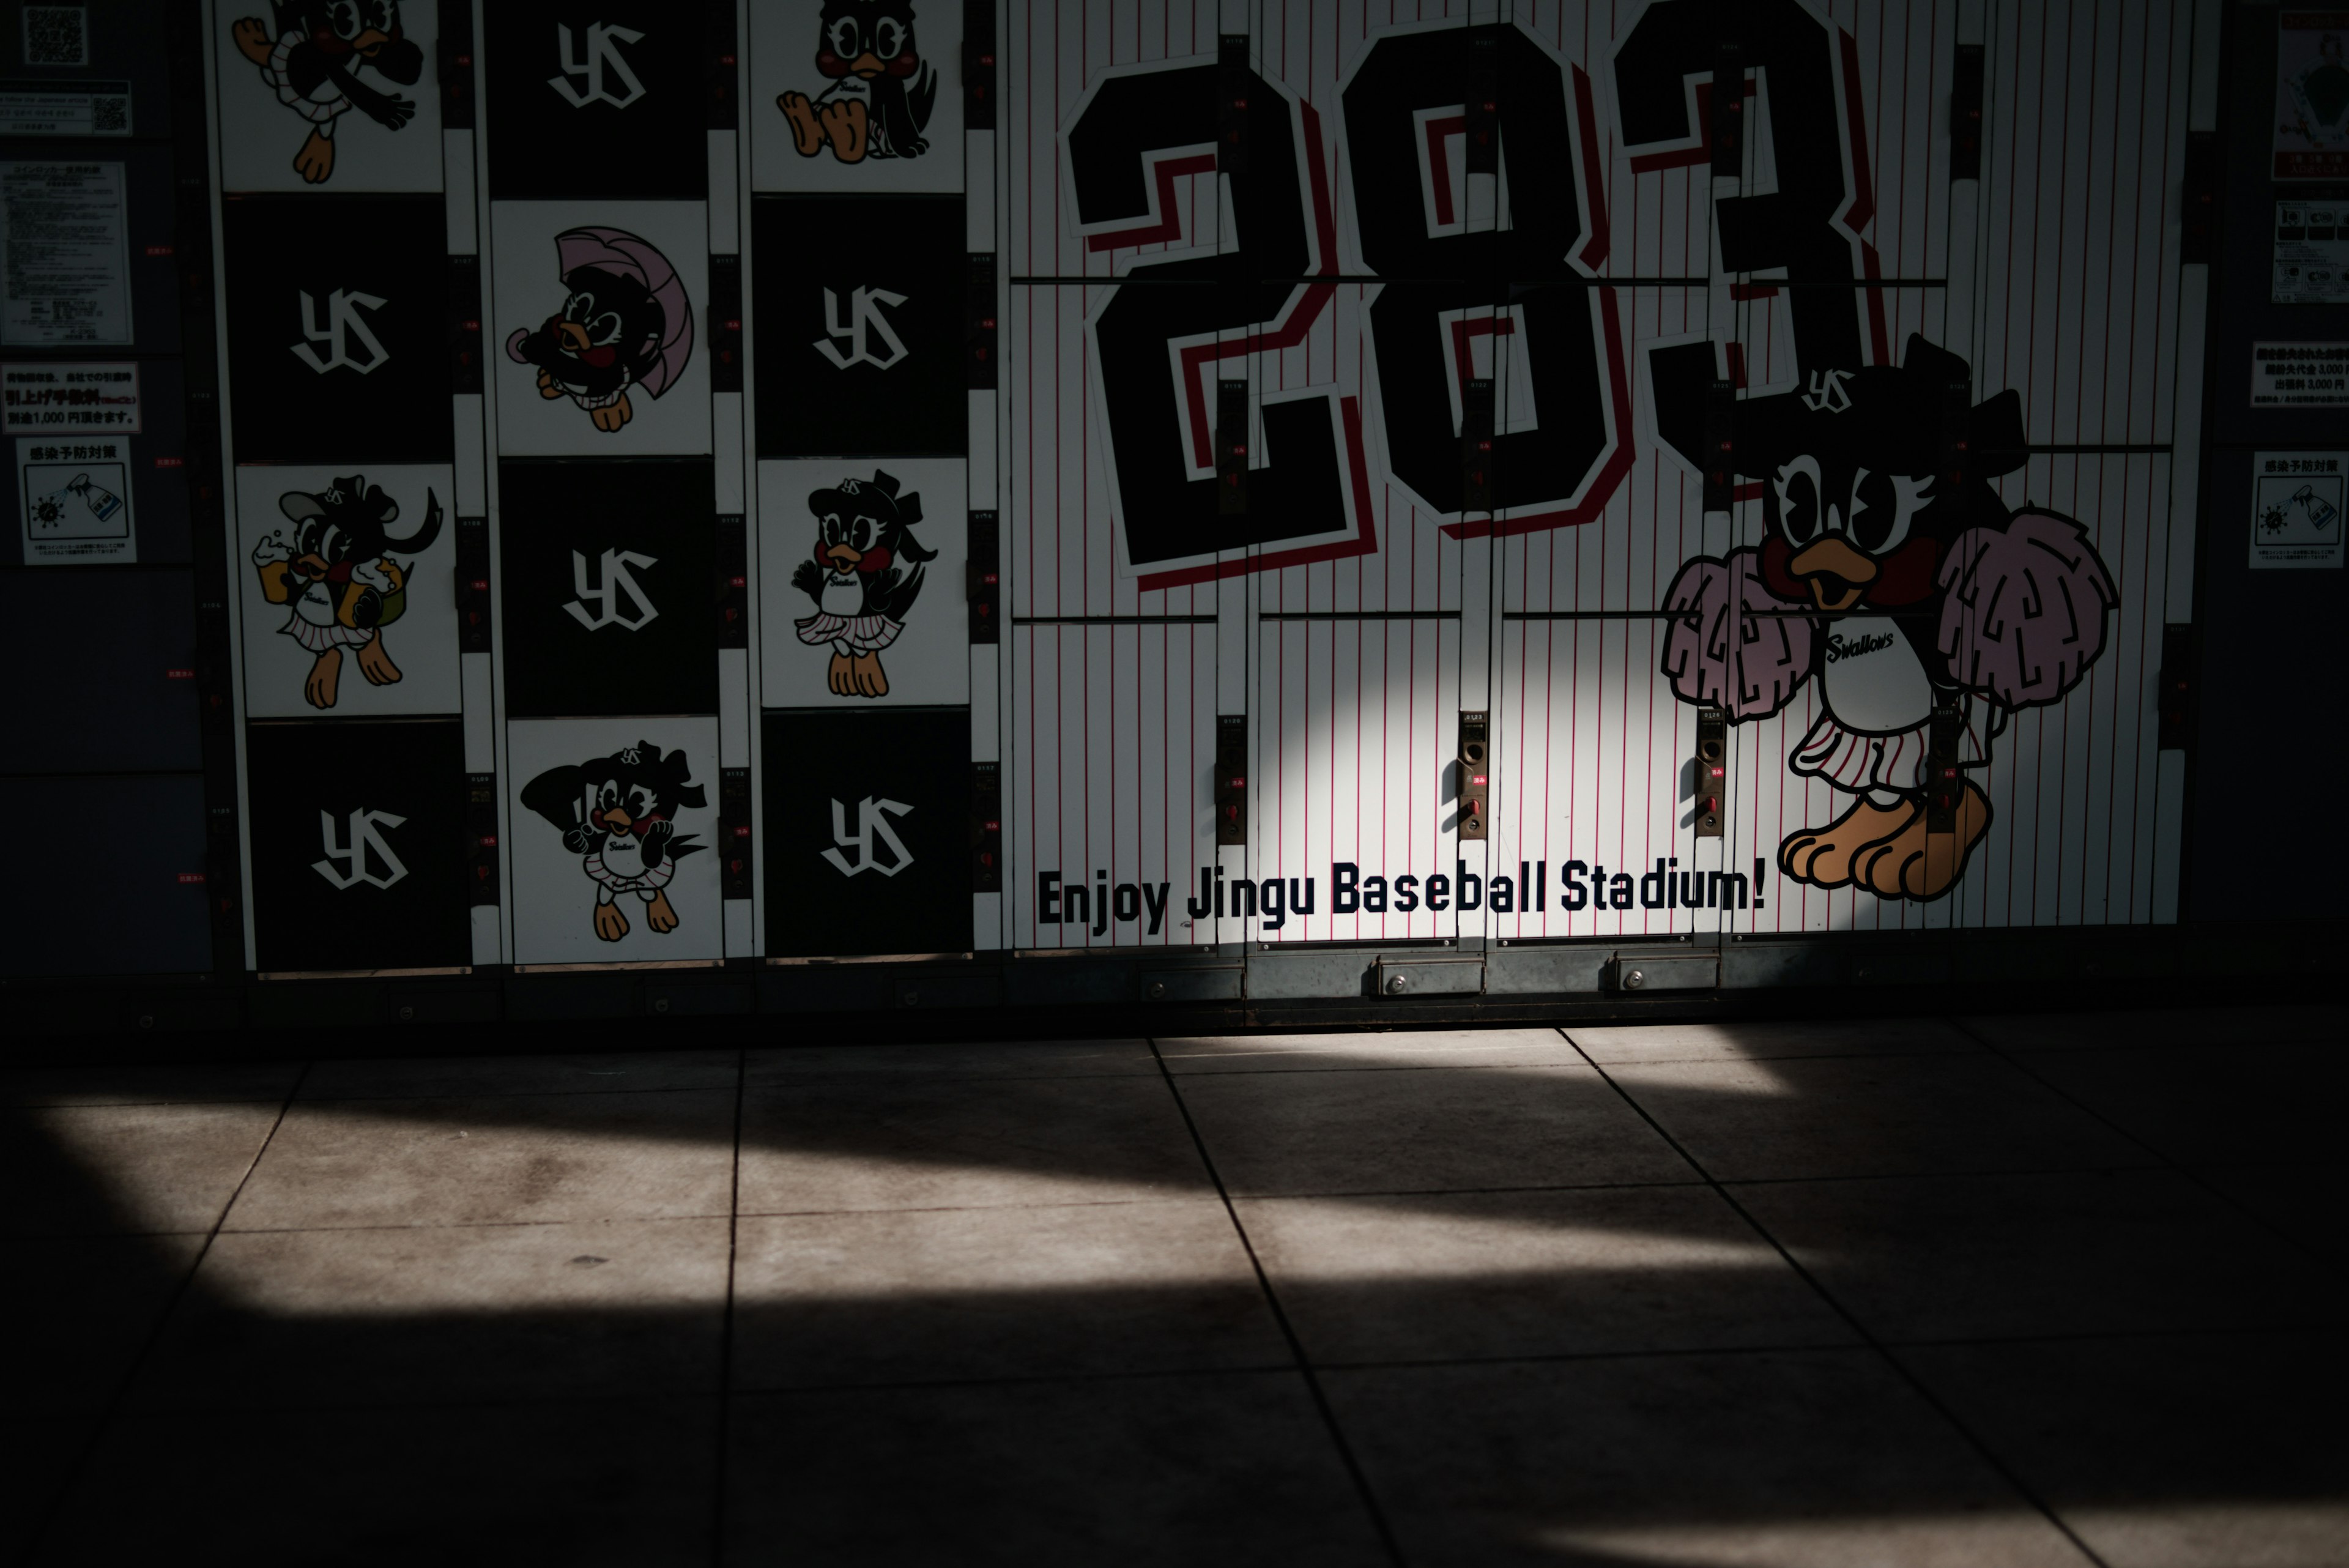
column 1888, row 850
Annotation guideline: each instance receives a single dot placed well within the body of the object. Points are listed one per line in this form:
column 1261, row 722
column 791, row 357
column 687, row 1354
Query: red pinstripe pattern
column 2075, row 308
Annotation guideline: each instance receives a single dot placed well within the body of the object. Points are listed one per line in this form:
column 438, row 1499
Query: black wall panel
column 307, row 384
column 154, row 472
column 123, row 892
column 358, row 844
column 840, row 788
column 609, row 579
column 830, row 378
column 598, row 98
column 102, row 666
column 2269, row 642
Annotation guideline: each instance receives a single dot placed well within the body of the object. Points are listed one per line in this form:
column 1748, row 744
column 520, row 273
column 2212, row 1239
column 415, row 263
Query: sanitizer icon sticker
column 76, row 506
column 103, row 503
column 2322, row 514
column 2296, row 511
column 72, row 505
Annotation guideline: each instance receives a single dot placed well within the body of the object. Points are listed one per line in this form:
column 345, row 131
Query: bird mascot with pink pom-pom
column 1893, row 575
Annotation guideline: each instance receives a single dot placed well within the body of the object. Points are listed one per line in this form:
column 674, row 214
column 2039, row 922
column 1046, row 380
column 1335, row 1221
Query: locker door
column 1594, row 789
column 871, row 310
column 1950, row 491
column 1877, row 597
column 2083, row 314
column 1184, row 429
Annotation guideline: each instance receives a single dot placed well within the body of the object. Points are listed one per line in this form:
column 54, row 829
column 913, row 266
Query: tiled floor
column 2051, row 1290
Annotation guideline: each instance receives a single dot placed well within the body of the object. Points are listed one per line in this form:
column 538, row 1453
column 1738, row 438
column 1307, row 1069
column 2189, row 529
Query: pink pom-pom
column 2024, row 612
column 1746, row 663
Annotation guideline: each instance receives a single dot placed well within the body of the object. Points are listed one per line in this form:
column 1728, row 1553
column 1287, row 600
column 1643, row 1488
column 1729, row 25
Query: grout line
column 525, row 1401
column 1543, row 1059
column 468, row 1225
column 1868, row 1337
column 2161, row 1158
column 1841, row 1346
column 1287, row 1331
column 112, row 1408
column 39, row 1107
column 726, row 1327
column 438, row 1096
column 1023, row 1380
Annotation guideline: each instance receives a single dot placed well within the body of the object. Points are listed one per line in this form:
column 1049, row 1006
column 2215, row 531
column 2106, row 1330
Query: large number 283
column 1492, row 285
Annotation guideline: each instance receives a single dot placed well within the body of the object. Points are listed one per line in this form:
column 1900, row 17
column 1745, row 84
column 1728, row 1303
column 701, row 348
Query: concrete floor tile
column 1494, row 1274
column 2141, row 1029
column 162, row 1084
column 85, row 1306
column 150, row 1169
column 1229, row 1468
column 2211, row 1104
column 1433, row 1129
column 887, row 1141
column 2191, row 1452
column 1958, row 1257
column 494, row 1161
column 983, row 1059
column 1339, row 1050
column 625, row 1482
column 1819, row 1116
column 828, row 1299
column 434, row 1077
column 1807, row 1458
column 1765, row 1040
column 466, row 1314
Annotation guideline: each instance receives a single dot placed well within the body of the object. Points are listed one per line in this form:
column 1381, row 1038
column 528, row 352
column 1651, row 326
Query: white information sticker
column 65, row 255
column 76, row 495
column 64, row 109
column 70, row 395
column 2300, row 375
column 2312, row 254
column 2297, row 503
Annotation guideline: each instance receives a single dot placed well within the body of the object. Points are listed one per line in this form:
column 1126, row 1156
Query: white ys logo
column 601, row 54
column 618, row 582
column 863, row 323
column 341, row 328
column 872, row 823
column 354, row 854
column 1827, row 393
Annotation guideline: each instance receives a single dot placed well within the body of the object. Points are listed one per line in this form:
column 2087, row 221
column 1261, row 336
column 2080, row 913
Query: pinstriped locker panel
column 1842, row 268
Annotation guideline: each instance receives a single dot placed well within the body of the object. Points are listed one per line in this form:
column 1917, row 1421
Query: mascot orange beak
column 368, row 42
column 571, row 336
column 867, row 65
column 842, row 558
column 1830, row 558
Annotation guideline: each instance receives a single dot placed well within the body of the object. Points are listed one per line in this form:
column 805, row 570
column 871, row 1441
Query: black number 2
column 1174, row 325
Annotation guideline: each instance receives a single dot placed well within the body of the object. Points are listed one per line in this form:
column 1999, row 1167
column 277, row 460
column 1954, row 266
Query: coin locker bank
column 905, row 502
